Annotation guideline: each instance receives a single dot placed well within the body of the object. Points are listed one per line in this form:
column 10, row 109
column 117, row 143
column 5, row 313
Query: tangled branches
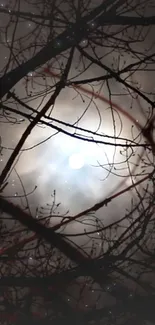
column 76, row 83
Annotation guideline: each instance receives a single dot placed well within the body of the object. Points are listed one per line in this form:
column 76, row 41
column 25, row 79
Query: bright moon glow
column 76, row 161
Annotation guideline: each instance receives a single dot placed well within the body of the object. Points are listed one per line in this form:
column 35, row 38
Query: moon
column 76, row 161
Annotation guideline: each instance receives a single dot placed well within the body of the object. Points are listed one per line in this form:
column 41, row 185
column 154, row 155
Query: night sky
column 60, row 162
